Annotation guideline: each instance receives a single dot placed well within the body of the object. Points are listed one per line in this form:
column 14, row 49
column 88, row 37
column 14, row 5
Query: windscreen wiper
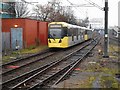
column 52, row 37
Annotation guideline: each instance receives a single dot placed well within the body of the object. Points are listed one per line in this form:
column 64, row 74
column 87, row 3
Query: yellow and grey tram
column 64, row 35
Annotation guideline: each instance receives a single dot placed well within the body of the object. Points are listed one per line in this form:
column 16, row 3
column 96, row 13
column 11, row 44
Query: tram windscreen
column 55, row 33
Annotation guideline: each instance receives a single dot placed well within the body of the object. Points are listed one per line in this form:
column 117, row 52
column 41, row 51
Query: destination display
column 55, row 25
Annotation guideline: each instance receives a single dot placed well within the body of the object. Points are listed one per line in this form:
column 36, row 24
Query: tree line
column 51, row 11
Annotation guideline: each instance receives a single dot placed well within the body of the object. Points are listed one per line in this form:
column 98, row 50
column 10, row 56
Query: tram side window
column 81, row 31
column 64, row 32
column 73, row 33
column 69, row 31
column 90, row 32
column 85, row 31
column 77, row 33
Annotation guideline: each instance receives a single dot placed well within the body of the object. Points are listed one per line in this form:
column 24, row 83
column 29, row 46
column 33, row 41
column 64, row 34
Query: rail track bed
column 51, row 73
column 22, row 61
column 23, row 66
column 114, row 39
column 48, row 57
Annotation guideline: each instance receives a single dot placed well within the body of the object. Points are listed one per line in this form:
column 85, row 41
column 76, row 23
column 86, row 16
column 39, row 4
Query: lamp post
column 106, row 31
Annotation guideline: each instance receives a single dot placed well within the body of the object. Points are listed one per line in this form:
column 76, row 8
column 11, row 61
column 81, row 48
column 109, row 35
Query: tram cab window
column 55, row 33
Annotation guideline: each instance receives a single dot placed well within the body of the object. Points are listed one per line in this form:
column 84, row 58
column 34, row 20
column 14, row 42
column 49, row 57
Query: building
column 0, row 39
column 23, row 32
column 119, row 14
column 7, row 9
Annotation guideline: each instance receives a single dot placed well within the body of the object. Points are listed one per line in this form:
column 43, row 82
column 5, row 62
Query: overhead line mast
column 106, row 31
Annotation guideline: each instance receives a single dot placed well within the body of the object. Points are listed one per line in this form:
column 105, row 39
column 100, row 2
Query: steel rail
column 115, row 39
column 72, row 68
column 22, row 66
column 25, row 75
column 65, row 70
column 27, row 57
column 29, row 79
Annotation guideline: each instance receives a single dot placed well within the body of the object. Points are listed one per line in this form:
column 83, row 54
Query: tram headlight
column 60, row 41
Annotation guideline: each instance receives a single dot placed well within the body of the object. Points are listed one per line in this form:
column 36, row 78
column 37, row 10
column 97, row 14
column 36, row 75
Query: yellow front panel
column 55, row 43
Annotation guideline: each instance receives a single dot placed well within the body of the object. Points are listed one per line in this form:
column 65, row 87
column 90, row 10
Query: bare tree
column 56, row 13
column 48, row 12
column 21, row 9
column 10, row 8
column 69, row 15
column 84, row 22
column 42, row 11
column 53, row 11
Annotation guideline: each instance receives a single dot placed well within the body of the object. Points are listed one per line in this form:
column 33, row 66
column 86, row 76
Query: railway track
column 46, row 76
column 24, row 63
column 24, row 58
column 12, row 74
column 117, row 40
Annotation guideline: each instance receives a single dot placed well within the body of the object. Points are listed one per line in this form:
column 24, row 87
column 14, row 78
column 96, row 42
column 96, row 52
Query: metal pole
column 106, row 31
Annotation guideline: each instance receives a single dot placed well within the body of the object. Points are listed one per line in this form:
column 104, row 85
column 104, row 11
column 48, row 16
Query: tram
column 64, row 35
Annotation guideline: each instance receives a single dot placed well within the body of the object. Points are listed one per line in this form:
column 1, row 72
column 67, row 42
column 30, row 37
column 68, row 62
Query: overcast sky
column 91, row 12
